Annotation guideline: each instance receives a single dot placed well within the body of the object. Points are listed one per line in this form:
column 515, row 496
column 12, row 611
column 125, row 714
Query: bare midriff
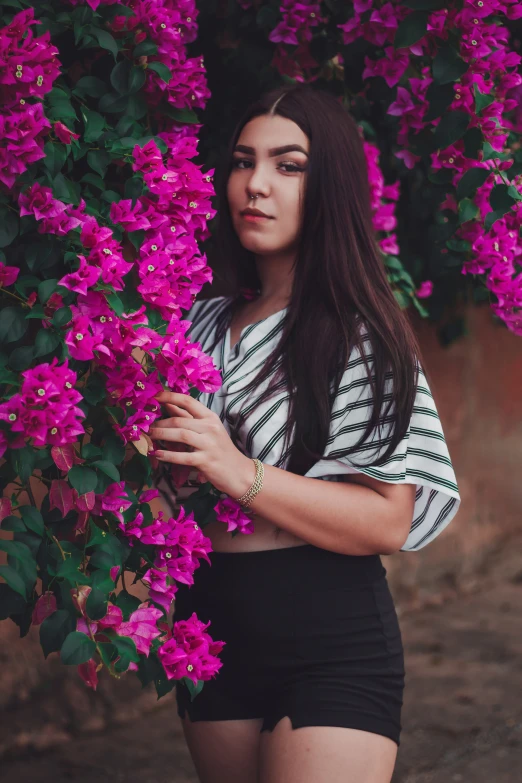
column 266, row 535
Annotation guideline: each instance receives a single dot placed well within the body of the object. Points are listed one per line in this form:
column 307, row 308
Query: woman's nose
column 258, row 183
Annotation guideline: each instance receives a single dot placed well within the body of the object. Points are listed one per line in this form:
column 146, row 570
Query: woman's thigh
column 224, row 751
column 324, row 753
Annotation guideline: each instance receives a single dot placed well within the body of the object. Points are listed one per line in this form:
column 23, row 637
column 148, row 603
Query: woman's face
column 270, row 160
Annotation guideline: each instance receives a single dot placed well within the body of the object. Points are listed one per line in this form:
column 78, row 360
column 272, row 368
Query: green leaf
column 127, row 78
column 514, row 193
column 113, row 102
column 46, row 289
column 108, row 468
column 14, row 580
column 492, row 218
column 13, row 325
column 411, row 29
column 108, row 652
column 23, row 461
column 55, row 629
column 162, row 71
column 187, row 116
column 482, row 101
column 62, row 111
column 96, row 606
column 450, row 129
column 21, row 358
column 113, row 449
column 127, row 602
column 98, row 160
column 145, row 49
column 500, row 198
column 116, row 303
column 94, row 390
column 82, row 479
column 33, row 519
column 459, row 245
column 440, row 97
column 77, row 648
column 105, row 40
column 470, row 181
column 9, row 226
column 447, row 65
column 488, row 153
column 193, row 689
column 90, row 451
column 133, row 188
column 94, row 180
column 127, row 650
column 55, row 156
column 441, row 176
column 46, row 342
column 94, row 125
column 90, row 85
column 473, row 141
column 468, row 210
column 12, row 524
column 137, row 106
column 62, row 316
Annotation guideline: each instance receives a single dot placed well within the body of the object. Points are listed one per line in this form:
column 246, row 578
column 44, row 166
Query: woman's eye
column 291, row 167
column 237, row 163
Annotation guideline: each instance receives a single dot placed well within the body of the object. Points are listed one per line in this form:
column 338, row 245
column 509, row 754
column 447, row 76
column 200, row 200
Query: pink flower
column 85, row 277
column 191, row 652
column 64, row 134
column 38, row 200
column 141, row 627
column 425, row 289
column 8, row 274
column 233, row 515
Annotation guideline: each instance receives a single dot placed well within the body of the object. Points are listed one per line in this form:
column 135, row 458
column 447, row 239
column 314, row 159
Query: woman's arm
column 361, row 516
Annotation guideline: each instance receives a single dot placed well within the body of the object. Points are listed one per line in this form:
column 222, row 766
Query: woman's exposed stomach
column 266, row 535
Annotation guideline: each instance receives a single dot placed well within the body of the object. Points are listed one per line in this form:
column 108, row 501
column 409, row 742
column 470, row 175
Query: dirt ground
column 462, row 715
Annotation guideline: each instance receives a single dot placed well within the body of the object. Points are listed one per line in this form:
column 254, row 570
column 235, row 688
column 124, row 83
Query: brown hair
column 339, row 281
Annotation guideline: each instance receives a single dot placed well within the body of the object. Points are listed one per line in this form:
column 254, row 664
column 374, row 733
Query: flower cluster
column 232, row 514
column 46, row 408
column 28, row 68
column 465, row 94
column 171, row 25
column 109, row 279
column 190, row 651
column 179, row 544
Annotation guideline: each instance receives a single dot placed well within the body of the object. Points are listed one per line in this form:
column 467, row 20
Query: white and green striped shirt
column 421, row 458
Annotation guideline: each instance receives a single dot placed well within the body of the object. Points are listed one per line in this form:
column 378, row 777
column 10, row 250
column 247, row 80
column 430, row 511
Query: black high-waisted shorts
column 310, row 634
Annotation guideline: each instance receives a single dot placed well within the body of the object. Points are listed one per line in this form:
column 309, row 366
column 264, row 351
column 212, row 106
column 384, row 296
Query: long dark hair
column 339, row 282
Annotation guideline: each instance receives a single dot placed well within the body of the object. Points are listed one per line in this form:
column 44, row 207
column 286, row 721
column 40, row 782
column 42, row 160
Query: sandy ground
column 462, row 715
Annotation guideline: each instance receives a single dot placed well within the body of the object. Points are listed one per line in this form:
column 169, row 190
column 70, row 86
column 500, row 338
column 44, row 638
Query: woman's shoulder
column 204, row 313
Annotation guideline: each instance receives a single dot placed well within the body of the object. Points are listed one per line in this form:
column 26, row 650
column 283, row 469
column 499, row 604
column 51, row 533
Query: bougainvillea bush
column 436, row 89
column 102, row 208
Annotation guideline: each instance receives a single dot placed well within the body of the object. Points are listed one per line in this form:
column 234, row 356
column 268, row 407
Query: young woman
column 321, row 380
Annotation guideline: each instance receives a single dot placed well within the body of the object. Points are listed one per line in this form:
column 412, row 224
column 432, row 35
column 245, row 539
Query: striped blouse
column 421, row 458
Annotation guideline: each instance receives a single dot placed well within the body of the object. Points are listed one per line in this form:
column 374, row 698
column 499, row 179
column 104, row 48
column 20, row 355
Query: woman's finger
column 185, row 401
column 178, row 457
column 177, row 411
column 176, row 434
column 196, row 425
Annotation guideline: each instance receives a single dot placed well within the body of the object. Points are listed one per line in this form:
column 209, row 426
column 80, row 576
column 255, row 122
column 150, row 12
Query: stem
column 30, row 493
column 15, row 296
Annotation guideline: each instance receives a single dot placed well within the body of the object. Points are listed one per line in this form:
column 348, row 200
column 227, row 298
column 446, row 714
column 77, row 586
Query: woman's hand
column 213, row 453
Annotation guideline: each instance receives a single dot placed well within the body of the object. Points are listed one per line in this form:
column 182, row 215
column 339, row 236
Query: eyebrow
column 272, row 152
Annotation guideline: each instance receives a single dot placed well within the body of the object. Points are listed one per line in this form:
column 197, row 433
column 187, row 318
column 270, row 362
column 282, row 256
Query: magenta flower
column 425, row 289
column 191, row 652
column 8, row 274
column 85, row 277
column 233, row 515
column 64, row 134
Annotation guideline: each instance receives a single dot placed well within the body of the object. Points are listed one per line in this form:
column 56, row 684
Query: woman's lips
column 255, row 218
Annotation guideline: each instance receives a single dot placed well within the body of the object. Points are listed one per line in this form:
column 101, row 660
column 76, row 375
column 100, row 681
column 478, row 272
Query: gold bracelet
column 247, row 498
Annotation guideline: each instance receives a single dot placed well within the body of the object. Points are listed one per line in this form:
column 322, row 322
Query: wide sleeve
column 421, row 458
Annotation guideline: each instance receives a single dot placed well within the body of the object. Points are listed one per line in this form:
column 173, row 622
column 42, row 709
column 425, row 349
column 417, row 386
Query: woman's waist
column 266, row 536
column 297, row 569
